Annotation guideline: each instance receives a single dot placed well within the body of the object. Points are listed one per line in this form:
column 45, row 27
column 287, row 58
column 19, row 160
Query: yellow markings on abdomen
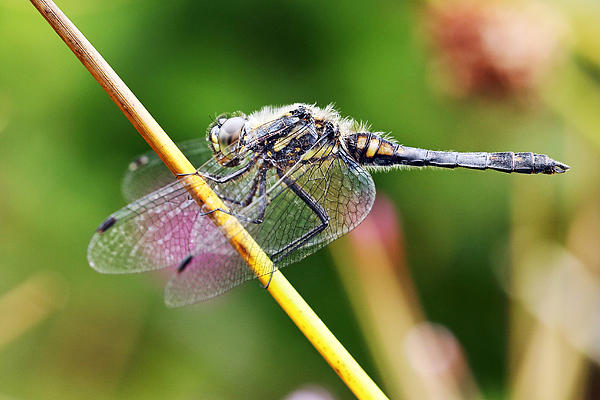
column 373, row 147
column 385, row 149
column 361, row 142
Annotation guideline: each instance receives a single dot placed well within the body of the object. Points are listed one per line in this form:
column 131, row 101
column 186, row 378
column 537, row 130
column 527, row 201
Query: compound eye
column 230, row 132
column 213, row 137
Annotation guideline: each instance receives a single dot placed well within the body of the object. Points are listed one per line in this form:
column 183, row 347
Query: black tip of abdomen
column 547, row 165
column 560, row 168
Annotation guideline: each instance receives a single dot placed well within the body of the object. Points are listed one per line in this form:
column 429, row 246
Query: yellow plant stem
column 281, row 290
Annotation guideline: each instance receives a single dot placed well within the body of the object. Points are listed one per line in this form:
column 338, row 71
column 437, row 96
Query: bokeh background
column 463, row 284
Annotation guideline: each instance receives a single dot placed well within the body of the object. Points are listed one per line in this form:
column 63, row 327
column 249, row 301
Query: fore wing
column 148, row 173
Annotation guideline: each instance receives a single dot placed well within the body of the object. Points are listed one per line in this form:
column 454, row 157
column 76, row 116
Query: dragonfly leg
column 314, row 206
column 225, row 178
column 259, row 179
column 262, row 198
column 246, row 200
column 269, row 282
column 262, row 189
column 261, row 185
column 233, row 214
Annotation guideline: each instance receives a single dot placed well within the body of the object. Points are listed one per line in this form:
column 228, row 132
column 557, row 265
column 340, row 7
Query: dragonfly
column 296, row 178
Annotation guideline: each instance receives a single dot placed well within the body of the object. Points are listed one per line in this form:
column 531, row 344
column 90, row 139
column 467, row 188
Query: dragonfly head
column 224, row 136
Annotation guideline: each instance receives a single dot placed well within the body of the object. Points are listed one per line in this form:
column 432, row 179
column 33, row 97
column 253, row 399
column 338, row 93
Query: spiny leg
column 223, row 179
column 262, row 190
column 262, row 198
column 314, row 206
column 249, row 196
column 256, row 182
column 260, row 183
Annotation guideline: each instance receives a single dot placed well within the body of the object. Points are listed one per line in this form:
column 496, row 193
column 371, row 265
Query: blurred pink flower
column 495, row 48
column 433, row 350
column 381, row 228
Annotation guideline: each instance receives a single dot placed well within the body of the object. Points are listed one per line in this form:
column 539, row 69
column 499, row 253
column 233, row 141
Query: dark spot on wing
column 184, row 263
column 110, row 221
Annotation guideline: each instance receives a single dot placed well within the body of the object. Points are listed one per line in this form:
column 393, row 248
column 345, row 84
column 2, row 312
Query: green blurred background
column 67, row 332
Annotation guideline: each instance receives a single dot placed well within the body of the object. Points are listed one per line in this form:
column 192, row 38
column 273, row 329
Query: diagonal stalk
column 282, row 291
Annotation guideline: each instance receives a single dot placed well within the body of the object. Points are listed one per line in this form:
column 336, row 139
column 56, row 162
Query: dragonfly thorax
column 296, row 137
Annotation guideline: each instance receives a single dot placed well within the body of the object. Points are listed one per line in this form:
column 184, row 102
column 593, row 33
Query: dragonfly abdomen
column 370, row 149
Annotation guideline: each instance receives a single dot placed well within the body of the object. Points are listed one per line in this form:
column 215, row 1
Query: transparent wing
column 151, row 233
column 147, row 172
column 155, row 231
column 341, row 187
column 344, row 191
column 167, row 229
